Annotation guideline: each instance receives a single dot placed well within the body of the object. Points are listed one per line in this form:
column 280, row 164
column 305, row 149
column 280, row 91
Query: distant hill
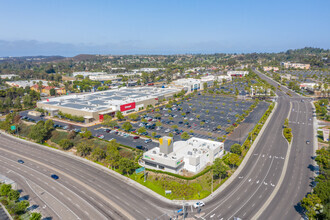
column 308, row 50
column 82, row 57
column 32, row 59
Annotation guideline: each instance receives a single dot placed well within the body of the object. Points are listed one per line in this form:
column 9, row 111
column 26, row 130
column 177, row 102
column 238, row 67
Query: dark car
column 116, row 127
column 180, row 122
column 107, row 130
column 157, row 136
column 20, row 161
column 136, row 137
column 55, row 177
column 140, row 147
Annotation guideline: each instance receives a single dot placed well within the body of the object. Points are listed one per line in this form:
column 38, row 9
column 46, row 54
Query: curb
column 3, row 207
column 315, row 141
column 246, row 158
column 279, row 184
column 103, row 168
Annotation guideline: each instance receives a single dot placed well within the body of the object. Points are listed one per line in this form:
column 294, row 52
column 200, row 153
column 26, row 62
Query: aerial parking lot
column 204, row 116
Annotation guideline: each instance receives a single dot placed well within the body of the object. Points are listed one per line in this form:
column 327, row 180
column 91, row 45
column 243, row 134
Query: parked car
column 147, row 141
column 20, row 161
column 140, row 147
column 158, row 136
column 136, row 137
column 167, row 130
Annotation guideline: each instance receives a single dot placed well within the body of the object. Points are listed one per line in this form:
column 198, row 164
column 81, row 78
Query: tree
column 86, row 133
column 98, row 154
column 119, row 115
column 158, row 123
column 13, row 195
column 52, row 92
column 35, row 216
column 126, row 166
column 40, row 85
column 311, row 204
column 49, row 126
column 153, row 134
column 20, row 207
column 185, row 136
column 127, row 126
column 65, row 144
column 17, row 103
column 5, row 189
column 38, row 132
column 84, row 149
column 27, row 101
column 233, row 160
column 219, row 127
column 174, row 126
column 219, row 169
column 236, row 149
column 198, row 116
column 207, row 111
column 142, row 130
column 107, row 120
column 113, row 154
column 134, row 116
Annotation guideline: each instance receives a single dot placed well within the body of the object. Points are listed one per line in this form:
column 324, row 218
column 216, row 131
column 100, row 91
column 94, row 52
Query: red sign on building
column 127, row 107
column 101, row 117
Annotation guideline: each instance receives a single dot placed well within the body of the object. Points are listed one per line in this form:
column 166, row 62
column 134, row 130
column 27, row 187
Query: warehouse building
column 93, row 106
column 192, row 155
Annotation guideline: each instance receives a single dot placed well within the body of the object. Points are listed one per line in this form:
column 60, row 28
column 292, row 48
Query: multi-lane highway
column 82, row 191
column 274, row 179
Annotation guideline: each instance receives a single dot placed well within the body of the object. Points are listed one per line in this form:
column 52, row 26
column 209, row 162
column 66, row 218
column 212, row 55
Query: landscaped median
column 287, row 132
column 124, row 160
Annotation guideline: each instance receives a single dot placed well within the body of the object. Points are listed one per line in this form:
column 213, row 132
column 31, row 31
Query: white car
column 167, row 130
column 191, row 119
column 199, row 204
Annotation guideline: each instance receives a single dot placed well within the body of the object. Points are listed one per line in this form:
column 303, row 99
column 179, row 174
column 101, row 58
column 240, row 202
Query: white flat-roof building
column 8, row 76
column 25, row 83
column 93, row 106
column 85, row 74
column 188, row 84
column 192, row 155
column 147, row 70
column 237, row 73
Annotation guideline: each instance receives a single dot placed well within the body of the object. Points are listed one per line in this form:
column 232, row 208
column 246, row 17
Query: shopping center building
column 93, row 106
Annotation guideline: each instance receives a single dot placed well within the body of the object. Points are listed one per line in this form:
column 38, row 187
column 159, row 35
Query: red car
column 150, row 119
column 136, row 137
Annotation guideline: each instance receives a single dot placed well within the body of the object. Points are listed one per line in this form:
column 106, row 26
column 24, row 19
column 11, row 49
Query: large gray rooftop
column 103, row 100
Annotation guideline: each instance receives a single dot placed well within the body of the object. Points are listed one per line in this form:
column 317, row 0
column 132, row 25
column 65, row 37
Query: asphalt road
column 103, row 196
column 81, row 192
column 248, row 193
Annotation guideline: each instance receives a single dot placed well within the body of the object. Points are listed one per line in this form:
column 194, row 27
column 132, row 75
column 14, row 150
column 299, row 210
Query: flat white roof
column 109, row 99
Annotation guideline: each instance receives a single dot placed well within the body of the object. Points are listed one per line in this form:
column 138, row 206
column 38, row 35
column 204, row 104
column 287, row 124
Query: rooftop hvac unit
column 154, row 152
column 189, row 153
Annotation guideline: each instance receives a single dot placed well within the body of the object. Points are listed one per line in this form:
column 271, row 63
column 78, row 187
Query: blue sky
column 70, row 27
